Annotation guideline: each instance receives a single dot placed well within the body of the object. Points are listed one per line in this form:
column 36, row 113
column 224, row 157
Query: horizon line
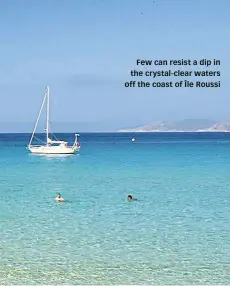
column 120, row 132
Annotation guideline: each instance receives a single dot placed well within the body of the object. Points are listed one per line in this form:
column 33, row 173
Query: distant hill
column 187, row 125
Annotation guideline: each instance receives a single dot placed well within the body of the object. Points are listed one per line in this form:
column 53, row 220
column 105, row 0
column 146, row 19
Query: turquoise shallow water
column 177, row 232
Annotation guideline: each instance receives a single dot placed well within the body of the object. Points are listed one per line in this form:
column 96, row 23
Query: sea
column 176, row 232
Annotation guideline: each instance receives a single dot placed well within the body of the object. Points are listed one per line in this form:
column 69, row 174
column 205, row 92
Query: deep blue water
column 176, row 232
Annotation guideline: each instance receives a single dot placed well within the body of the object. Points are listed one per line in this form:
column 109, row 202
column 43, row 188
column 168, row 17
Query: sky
column 84, row 50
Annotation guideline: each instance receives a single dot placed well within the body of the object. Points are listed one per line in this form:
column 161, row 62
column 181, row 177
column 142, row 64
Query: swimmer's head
column 59, row 195
column 129, row 197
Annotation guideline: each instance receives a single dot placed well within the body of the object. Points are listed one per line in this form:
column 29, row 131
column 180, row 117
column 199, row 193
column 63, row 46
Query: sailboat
column 51, row 146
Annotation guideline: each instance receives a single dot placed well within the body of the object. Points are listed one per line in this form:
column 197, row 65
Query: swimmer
column 59, row 198
column 129, row 198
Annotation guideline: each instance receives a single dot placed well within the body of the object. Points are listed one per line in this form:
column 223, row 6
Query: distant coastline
column 187, row 125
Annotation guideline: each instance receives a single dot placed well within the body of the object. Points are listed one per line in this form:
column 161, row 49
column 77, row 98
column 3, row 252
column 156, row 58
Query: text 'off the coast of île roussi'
column 166, row 73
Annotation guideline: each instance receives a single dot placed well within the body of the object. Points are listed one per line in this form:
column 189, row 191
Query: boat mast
column 48, row 115
column 35, row 127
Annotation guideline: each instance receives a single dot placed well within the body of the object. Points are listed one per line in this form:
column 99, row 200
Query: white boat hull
column 53, row 150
